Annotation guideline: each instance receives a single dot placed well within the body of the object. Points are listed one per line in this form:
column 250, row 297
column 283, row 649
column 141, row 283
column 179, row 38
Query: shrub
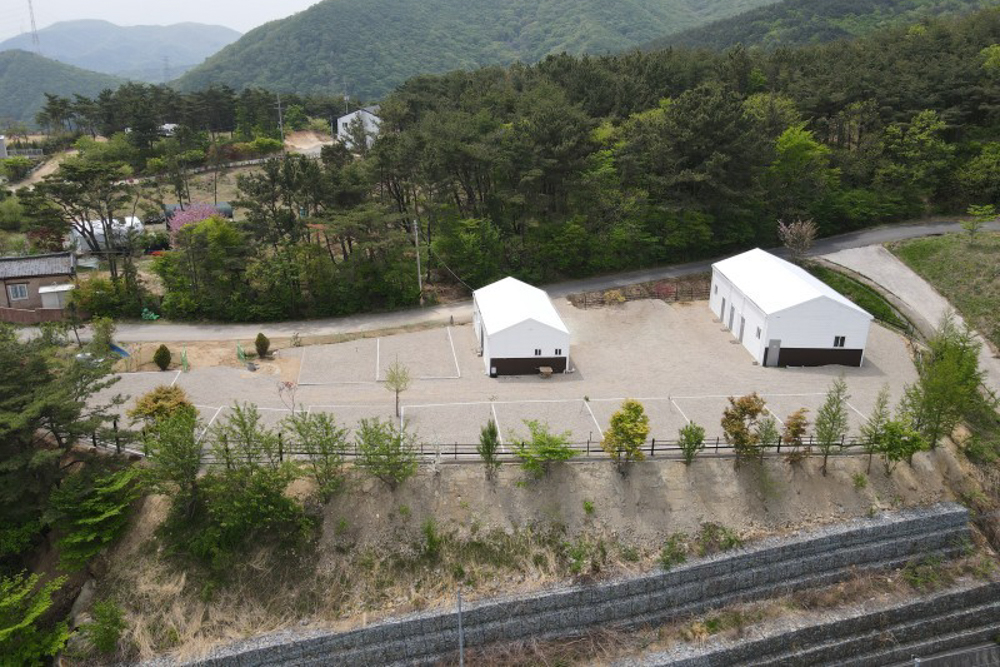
column 831, row 420
column 543, row 449
column 263, row 345
column 691, row 440
column 162, row 357
column 489, row 449
column 102, row 336
column 740, row 423
column 627, row 433
column 324, row 443
column 106, row 629
column 96, row 297
column 796, row 425
column 160, row 403
column 674, row 551
column 588, row 507
column 714, row 538
column 91, row 511
column 386, row 452
column 16, row 168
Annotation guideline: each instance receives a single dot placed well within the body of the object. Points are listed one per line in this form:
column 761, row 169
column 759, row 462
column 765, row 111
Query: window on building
column 18, row 292
column 839, row 341
column 558, row 352
column 758, row 332
column 538, row 353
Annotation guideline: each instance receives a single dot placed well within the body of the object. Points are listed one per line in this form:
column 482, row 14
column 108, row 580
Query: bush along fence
column 120, row 439
column 670, row 290
column 768, row 568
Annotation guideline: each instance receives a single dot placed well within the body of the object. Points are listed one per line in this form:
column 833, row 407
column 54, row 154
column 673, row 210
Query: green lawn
column 965, row 271
column 860, row 294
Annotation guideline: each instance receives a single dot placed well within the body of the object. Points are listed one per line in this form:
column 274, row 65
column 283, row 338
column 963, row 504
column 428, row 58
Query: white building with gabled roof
column 518, row 329
column 368, row 117
column 785, row 316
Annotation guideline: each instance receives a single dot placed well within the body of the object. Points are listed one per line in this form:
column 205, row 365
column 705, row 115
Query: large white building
column 518, row 329
column 369, row 121
column 784, row 316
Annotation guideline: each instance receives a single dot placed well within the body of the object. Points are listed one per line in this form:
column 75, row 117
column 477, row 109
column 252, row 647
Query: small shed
column 55, row 296
column 120, row 229
column 784, row 316
column 518, row 329
column 24, row 278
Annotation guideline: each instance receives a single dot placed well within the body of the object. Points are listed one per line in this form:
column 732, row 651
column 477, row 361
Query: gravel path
column 881, row 266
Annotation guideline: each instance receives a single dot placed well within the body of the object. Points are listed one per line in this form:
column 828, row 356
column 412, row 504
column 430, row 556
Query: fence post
column 118, row 443
column 93, row 438
column 589, row 436
column 716, row 445
column 456, row 451
column 779, row 445
column 652, row 448
column 842, row 437
column 281, row 446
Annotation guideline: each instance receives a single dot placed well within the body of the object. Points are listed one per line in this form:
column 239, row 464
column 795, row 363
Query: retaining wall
column 768, row 568
column 946, row 621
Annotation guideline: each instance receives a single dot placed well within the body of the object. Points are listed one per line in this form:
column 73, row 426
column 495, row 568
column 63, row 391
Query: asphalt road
column 460, row 311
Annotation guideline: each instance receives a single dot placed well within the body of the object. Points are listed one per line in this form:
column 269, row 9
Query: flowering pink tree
column 190, row 215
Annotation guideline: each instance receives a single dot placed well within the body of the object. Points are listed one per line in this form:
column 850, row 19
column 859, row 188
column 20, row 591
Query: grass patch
column 861, row 294
column 965, row 271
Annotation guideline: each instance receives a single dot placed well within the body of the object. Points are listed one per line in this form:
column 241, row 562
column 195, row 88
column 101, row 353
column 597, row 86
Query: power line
column 34, row 29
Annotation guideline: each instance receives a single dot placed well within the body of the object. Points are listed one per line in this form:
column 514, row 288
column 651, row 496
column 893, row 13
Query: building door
column 773, row 352
column 732, row 314
column 722, row 311
column 743, row 324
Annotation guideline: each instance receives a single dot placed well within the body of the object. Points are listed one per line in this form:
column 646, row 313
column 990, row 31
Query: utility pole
column 281, row 119
column 420, row 278
column 34, row 29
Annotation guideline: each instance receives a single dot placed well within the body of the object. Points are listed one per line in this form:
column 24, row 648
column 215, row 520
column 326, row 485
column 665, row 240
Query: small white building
column 518, row 329
column 3, row 147
column 120, row 229
column 784, row 315
column 368, row 119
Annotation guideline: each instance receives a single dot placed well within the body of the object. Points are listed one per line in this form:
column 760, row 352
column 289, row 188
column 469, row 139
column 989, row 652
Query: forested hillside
column 26, row 77
column 372, row 47
column 578, row 165
column 135, row 52
column 797, row 22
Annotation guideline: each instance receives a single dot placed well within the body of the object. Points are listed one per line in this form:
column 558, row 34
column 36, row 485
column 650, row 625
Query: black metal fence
column 130, row 443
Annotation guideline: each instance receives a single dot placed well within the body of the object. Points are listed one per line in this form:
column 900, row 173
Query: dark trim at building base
column 815, row 356
column 527, row 365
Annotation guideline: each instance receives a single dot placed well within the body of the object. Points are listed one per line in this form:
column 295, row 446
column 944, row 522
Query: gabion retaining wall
column 767, row 568
column 946, row 621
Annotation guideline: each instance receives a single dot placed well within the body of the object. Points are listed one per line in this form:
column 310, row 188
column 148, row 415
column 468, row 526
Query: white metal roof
column 774, row 284
column 52, row 289
column 508, row 302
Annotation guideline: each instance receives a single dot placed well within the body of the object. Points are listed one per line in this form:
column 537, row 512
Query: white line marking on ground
column 458, row 371
column 334, row 384
column 863, row 415
column 678, row 408
column 819, row 393
column 779, row 419
column 596, row 423
column 209, row 425
column 176, row 377
column 302, row 364
column 496, row 421
column 378, row 357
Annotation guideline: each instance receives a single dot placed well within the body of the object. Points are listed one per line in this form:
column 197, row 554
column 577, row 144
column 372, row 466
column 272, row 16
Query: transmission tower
column 34, row 29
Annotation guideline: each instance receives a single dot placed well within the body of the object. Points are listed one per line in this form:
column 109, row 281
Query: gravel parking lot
column 676, row 358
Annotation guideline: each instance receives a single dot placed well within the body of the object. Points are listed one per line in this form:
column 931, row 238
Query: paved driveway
column 881, row 266
column 461, row 311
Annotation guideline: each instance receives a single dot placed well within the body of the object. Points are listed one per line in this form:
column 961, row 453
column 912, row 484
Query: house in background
column 27, row 281
column 518, row 329
column 784, row 316
column 369, row 121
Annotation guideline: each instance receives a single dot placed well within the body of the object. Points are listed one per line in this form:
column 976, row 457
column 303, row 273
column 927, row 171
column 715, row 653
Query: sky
column 240, row 15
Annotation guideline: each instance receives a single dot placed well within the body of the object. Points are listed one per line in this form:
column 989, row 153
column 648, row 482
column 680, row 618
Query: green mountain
column 371, row 46
column 139, row 52
column 26, row 77
column 795, row 22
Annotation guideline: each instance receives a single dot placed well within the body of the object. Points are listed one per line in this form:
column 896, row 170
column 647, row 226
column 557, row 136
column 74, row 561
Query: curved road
column 189, row 332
